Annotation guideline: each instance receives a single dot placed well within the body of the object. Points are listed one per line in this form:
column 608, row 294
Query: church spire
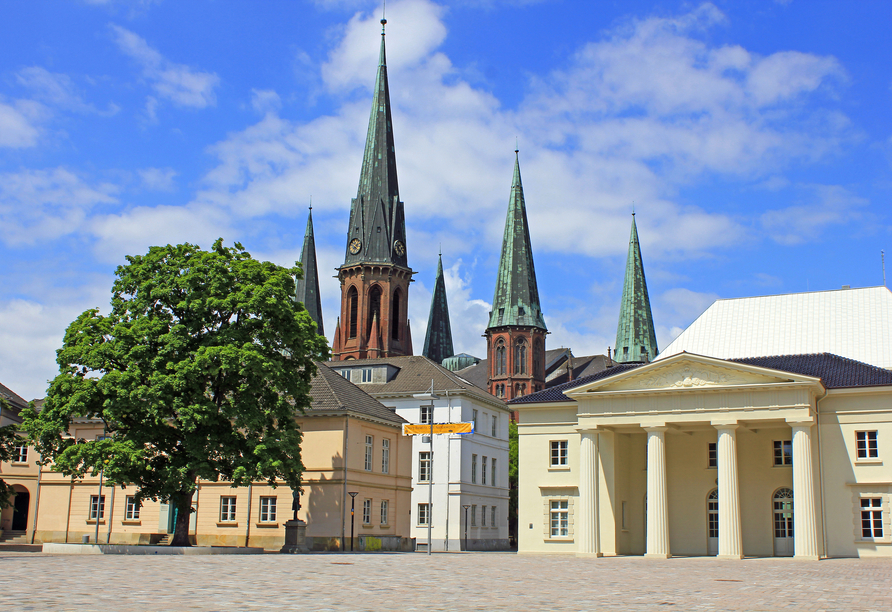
column 516, row 300
column 636, row 340
column 377, row 232
column 438, row 340
column 308, row 286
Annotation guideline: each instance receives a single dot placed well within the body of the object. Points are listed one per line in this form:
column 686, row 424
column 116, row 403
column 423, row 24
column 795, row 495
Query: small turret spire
column 636, row 340
column 438, row 339
column 307, row 290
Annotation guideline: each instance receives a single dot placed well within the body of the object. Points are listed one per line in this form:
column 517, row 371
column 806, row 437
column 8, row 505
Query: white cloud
column 38, row 205
column 827, row 206
column 18, row 124
column 180, row 84
column 265, row 100
column 58, row 90
column 157, row 179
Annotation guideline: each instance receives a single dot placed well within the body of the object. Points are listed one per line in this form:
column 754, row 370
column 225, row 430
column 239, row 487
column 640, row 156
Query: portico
column 666, row 449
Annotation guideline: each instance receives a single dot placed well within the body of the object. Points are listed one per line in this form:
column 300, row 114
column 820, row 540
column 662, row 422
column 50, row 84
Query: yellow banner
column 415, row 429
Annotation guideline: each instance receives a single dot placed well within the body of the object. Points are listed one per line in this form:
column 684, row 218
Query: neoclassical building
column 745, row 455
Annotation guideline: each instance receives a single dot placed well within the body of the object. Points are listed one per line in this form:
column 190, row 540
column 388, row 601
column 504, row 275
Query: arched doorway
column 21, row 504
column 712, row 523
column 783, row 522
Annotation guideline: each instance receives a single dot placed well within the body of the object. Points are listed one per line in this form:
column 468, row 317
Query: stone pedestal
column 295, row 537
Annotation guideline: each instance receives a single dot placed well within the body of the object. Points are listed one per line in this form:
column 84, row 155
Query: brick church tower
column 375, row 275
column 515, row 337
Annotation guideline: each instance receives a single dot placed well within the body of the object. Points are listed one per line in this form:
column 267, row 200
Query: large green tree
column 196, row 373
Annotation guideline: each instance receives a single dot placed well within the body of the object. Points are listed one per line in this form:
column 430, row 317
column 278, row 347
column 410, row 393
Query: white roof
column 854, row 323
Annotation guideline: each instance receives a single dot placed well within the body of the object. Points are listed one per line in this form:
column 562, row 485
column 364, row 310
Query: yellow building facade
column 692, row 455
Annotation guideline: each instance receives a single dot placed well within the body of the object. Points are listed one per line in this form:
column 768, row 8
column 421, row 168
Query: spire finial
column 383, row 19
column 311, row 202
column 516, row 147
column 633, row 208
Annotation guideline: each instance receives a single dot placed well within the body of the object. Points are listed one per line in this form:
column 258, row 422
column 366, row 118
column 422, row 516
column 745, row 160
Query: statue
column 295, row 502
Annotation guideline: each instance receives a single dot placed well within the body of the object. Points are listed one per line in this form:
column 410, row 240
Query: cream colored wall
column 846, row 478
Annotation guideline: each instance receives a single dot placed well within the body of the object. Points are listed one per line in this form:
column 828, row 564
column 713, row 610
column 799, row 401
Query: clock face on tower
column 399, row 248
column 355, row 246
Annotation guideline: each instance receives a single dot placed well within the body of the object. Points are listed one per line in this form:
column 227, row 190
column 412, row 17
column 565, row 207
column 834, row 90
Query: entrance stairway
column 17, row 536
column 165, row 541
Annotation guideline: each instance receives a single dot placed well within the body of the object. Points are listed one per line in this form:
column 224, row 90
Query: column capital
column 798, row 422
column 655, row 427
column 588, row 430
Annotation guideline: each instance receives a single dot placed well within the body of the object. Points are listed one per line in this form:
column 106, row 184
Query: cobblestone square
column 486, row 581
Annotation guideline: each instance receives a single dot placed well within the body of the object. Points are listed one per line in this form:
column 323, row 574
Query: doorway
column 783, row 522
column 712, row 523
column 20, row 510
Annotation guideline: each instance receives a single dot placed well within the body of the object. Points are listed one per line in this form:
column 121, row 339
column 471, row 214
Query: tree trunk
column 184, row 511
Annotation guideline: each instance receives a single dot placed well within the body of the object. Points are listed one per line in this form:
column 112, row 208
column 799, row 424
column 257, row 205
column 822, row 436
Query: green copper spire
column 308, row 286
column 438, row 340
column 516, row 300
column 635, row 337
column 377, row 231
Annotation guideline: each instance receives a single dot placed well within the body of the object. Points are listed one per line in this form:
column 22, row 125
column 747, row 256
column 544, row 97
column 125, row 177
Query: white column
column 805, row 533
column 729, row 494
column 657, row 506
column 587, row 529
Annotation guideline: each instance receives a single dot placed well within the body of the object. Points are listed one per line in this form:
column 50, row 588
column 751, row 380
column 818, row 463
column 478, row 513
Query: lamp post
column 352, row 495
column 100, row 507
column 466, row 506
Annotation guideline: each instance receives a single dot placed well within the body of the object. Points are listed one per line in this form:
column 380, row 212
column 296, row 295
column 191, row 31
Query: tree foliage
column 196, row 373
column 512, row 479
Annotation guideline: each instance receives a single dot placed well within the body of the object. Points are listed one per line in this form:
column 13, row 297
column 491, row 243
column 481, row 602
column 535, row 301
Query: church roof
column 331, row 392
column 636, row 339
column 377, row 231
column 308, row 287
column 556, row 393
column 853, row 323
column 516, row 300
column 438, row 339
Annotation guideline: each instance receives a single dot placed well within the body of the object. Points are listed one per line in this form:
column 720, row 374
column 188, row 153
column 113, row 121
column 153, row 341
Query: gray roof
column 16, row 401
column 636, row 339
column 331, row 392
column 307, row 290
column 438, row 339
column 414, row 375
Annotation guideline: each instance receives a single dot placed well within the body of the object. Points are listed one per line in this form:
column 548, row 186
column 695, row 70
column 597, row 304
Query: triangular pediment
column 686, row 371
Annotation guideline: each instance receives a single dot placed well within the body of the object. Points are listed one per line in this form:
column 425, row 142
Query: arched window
column 518, row 390
column 538, row 353
column 712, row 514
column 395, row 315
column 520, row 357
column 783, row 513
column 374, row 307
column 353, row 300
column 500, row 358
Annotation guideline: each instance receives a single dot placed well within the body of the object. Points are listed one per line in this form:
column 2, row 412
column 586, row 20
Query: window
column 131, row 509
column 474, row 417
column 227, row 509
column 267, row 509
column 385, row 456
column 495, row 425
column 493, row 479
column 97, row 507
column 867, row 444
column 369, row 441
column 427, row 414
column 424, row 466
column 473, row 469
column 712, row 514
column 384, row 509
column 558, row 452
column 492, row 517
column 473, row 515
column 783, row 513
column 367, row 512
column 483, row 516
column 345, row 374
column 520, row 357
column 560, row 518
column 424, row 516
column 500, row 359
column 713, row 455
column 483, row 471
column 367, row 375
column 374, row 309
column 20, row 454
column 353, row 298
column 872, row 517
column 783, row 452
column 395, row 316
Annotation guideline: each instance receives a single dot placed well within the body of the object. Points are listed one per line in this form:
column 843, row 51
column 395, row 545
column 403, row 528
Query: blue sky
column 754, row 138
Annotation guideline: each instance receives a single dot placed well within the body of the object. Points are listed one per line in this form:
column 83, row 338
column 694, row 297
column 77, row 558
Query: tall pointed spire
column 377, row 231
column 516, row 299
column 308, row 286
column 636, row 340
column 438, row 340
